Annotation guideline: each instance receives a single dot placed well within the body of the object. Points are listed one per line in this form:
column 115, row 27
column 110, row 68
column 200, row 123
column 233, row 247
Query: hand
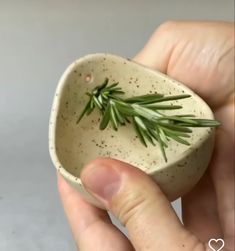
column 201, row 55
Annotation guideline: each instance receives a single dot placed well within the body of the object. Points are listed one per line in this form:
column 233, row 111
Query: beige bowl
column 74, row 145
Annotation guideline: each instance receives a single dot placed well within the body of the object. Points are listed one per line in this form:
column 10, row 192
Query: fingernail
column 101, row 180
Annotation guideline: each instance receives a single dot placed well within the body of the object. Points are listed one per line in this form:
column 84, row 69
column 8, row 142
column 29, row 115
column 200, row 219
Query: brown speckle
column 180, row 165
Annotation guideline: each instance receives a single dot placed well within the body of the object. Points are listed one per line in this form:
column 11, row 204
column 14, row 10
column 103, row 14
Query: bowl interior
column 73, row 145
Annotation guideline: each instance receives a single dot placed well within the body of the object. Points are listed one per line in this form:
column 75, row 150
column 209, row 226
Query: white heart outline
column 216, row 240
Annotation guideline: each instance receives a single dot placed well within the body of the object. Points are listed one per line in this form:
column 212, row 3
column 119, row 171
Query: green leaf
column 113, row 118
column 83, row 112
column 162, row 107
column 205, row 123
column 111, row 87
column 104, row 96
column 154, row 134
column 100, row 99
column 101, row 87
column 97, row 103
column 173, row 97
column 148, row 136
column 138, row 132
column 118, row 115
column 174, row 127
column 162, row 136
column 186, row 115
column 91, row 107
column 125, row 109
column 145, row 112
column 145, row 99
column 106, row 118
column 118, row 92
column 144, row 130
column 161, row 144
column 170, row 132
column 140, row 123
column 180, row 140
column 182, row 120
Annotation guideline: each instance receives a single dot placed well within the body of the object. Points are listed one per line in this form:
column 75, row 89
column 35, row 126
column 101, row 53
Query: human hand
column 201, row 55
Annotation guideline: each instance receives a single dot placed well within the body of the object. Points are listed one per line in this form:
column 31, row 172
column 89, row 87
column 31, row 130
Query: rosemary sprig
column 144, row 113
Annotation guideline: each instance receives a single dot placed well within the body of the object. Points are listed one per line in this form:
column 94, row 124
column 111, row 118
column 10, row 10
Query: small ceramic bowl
column 74, row 145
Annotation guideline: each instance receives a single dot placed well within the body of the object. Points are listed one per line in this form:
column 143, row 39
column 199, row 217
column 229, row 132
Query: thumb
column 136, row 200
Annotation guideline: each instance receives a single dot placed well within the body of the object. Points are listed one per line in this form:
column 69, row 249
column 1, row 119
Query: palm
column 204, row 63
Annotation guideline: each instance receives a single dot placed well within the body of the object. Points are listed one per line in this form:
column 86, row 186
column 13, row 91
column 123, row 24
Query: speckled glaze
column 73, row 145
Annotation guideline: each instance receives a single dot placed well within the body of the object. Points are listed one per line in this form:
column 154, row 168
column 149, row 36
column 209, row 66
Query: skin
column 201, row 55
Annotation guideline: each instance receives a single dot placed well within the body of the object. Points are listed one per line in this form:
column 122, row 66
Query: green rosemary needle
column 144, row 113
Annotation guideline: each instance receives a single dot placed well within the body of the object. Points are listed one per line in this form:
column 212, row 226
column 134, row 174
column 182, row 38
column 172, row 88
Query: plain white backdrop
column 38, row 39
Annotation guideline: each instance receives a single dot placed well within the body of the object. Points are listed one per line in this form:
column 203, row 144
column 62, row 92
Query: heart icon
column 216, row 244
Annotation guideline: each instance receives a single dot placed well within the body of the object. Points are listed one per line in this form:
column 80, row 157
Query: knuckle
column 167, row 27
column 131, row 207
